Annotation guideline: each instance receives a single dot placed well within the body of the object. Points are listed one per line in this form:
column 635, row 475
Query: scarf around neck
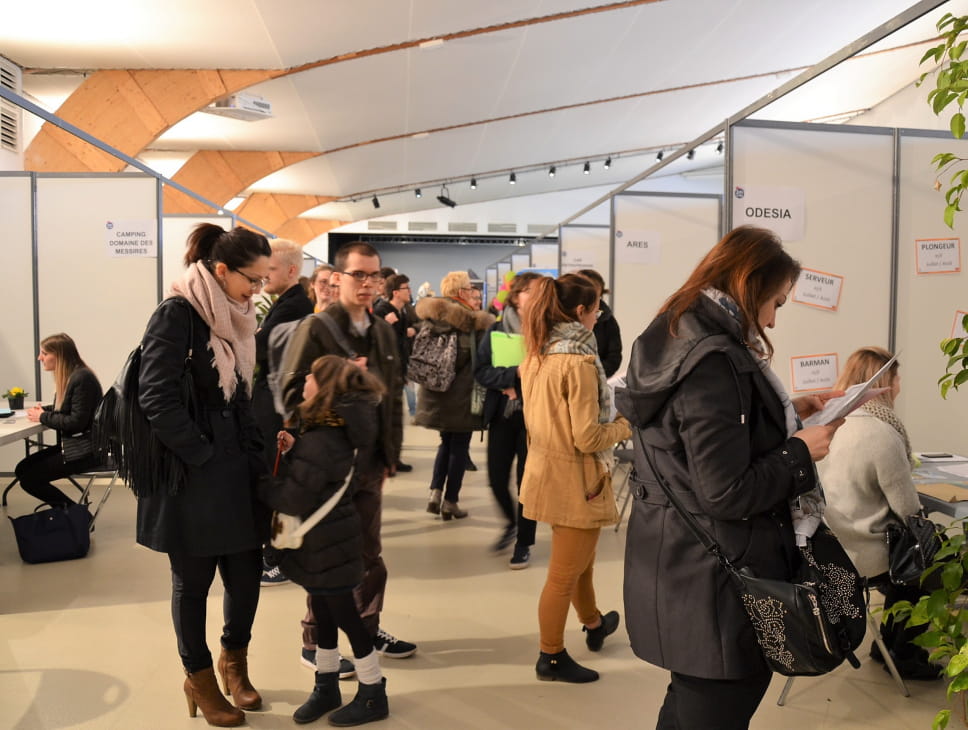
column 231, row 327
column 881, row 411
column 807, row 509
column 572, row 338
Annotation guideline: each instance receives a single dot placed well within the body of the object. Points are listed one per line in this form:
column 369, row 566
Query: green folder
column 507, row 350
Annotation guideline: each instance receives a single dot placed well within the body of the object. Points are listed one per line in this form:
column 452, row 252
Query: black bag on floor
column 53, row 533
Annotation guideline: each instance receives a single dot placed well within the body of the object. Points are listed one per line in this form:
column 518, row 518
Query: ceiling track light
column 690, row 154
column 376, row 202
column 719, row 148
column 513, row 179
column 659, row 156
column 587, row 168
column 444, row 199
column 551, row 171
column 473, row 183
column 608, row 162
column 417, row 193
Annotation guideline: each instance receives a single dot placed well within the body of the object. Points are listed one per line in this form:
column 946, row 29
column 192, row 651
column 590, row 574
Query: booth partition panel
column 828, row 192
column 586, row 247
column 176, row 229
column 932, row 296
column 657, row 241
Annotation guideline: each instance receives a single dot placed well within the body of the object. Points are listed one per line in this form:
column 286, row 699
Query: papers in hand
column 854, row 398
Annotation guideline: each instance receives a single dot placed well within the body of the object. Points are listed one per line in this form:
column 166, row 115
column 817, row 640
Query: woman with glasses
column 450, row 412
column 198, row 355
column 320, row 290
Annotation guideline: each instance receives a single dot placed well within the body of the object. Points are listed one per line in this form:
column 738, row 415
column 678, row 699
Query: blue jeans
column 410, row 390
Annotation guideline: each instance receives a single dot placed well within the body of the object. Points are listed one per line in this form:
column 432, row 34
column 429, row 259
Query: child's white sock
column 368, row 668
column 327, row 660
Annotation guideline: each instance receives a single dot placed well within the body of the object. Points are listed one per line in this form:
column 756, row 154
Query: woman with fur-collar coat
column 449, row 411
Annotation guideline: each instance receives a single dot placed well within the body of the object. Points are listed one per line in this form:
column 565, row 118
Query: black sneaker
column 273, row 577
column 404, row 467
column 521, row 557
column 346, row 669
column 389, row 646
column 506, row 539
column 596, row 637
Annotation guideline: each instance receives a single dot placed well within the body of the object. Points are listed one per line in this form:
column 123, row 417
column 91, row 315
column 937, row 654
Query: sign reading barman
column 814, row 372
column 780, row 209
column 132, row 237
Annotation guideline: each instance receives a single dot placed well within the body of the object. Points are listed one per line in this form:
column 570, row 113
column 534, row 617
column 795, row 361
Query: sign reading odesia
column 132, row 237
column 779, row 209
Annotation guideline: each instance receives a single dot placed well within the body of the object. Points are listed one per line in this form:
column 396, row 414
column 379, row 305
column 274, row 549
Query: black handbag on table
column 53, row 533
column 911, row 547
column 806, row 626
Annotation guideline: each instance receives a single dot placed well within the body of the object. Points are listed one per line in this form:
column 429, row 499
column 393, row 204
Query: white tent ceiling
column 509, row 88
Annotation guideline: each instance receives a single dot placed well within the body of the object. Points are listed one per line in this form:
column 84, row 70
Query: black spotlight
column 473, row 183
column 444, row 200
column 659, row 156
column 551, row 171
column 513, row 179
column 418, row 193
column 376, row 202
column 587, row 168
column 690, row 154
column 608, row 162
column 719, row 148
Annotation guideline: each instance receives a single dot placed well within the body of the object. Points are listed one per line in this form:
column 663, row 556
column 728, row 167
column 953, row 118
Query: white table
column 17, row 427
column 930, row 473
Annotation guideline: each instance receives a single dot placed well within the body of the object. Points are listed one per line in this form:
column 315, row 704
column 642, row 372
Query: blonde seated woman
column 868, row 485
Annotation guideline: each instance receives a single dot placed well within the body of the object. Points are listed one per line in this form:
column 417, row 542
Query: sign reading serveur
column 818, row 289
column 132, row 237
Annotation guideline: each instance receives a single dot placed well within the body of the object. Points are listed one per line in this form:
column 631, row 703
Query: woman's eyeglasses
column 255, row 282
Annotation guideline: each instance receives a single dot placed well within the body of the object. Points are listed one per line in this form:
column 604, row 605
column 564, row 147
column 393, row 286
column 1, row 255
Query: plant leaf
column 958, row 125
column 960, row 378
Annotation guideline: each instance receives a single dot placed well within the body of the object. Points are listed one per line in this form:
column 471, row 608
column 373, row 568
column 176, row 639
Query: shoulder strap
column 324, row 509
column 337, row 333
column 692, row 523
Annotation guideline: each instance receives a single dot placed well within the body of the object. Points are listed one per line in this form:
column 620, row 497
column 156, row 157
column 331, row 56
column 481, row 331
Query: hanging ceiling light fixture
column 473, row 183
column 513, row 179
column 719, row 148
column 376, row 202
column 659, row 156
column 551, row 171
column 587, row 168
column 418, row 193
column 608, row 162
column 443, row 198
column 690, row 154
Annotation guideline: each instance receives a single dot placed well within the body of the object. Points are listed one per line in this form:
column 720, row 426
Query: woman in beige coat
column 567, row 480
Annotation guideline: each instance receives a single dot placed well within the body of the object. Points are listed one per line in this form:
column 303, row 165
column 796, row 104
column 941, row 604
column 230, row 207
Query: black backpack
column 122, row 431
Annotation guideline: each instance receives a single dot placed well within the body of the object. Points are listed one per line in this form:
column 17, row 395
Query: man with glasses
column 285, row 266
column 394, row 309
column 371, row 343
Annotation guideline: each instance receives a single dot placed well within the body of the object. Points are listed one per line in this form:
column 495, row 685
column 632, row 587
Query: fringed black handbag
column 122, row 431
column 911, row 547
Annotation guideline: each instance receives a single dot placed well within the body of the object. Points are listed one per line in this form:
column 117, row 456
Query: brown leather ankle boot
column 201, row 690
column 234, row 669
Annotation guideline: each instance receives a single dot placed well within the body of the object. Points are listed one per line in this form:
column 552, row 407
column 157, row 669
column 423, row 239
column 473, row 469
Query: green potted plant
column 956, row 348
column 15, row 398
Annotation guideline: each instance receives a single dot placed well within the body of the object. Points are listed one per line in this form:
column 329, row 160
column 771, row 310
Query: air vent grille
column 10, row 114
column 381, row 225
column 422, row 226
column 538, row 229
column 502, row 227
column 462, row 227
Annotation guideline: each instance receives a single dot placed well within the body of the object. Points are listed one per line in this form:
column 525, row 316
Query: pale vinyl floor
column 89, row 643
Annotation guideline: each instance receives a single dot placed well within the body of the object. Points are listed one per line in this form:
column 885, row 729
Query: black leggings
column 694, row 703
column 451, row 463
column 191, row 577
column 37, row 471
column 339, row 611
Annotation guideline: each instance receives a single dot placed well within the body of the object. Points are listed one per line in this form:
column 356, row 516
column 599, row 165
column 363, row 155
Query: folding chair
column 101, row 473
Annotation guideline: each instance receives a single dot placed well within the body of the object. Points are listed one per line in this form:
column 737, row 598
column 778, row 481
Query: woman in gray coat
column 212, row 519
column 719, row 428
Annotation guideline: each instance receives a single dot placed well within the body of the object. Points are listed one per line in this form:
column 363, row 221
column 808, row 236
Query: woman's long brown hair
column 67, row 360
column 750, row 265
column 861, row 367
column 552, row 302
column 335, row 376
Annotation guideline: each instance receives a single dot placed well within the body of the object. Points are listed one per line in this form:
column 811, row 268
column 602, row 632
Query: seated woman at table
column 77, row 393
column 868, row 485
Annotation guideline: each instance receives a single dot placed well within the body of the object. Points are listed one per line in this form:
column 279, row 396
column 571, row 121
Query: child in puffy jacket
column 338, row 416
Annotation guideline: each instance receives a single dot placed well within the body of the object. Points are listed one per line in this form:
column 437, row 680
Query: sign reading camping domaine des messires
column 779, row 209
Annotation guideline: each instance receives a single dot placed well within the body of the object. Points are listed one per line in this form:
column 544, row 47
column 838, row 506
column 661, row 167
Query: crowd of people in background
column 532, row 370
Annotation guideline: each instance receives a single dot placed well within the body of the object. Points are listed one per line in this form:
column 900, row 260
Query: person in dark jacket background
column 338, row 416
column 285, row 265
column 449, row 412
column 213, row 520
column 507, row 437
column 77, row 393
column 608, row 336
column 721, row 431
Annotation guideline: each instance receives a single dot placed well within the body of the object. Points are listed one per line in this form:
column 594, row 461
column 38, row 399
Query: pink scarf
column 232, row 326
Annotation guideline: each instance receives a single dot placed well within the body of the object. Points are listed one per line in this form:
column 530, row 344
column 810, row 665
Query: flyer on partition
column 853, row 398
column 812, row 373
column 818, row 289
column 938, row 255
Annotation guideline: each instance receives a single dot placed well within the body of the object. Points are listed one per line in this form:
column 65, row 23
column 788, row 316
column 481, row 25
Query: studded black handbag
column 911, row 547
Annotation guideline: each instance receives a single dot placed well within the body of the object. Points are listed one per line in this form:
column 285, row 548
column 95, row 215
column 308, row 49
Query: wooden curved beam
column 220, row 175
column 128, row 109
column 279, row 213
